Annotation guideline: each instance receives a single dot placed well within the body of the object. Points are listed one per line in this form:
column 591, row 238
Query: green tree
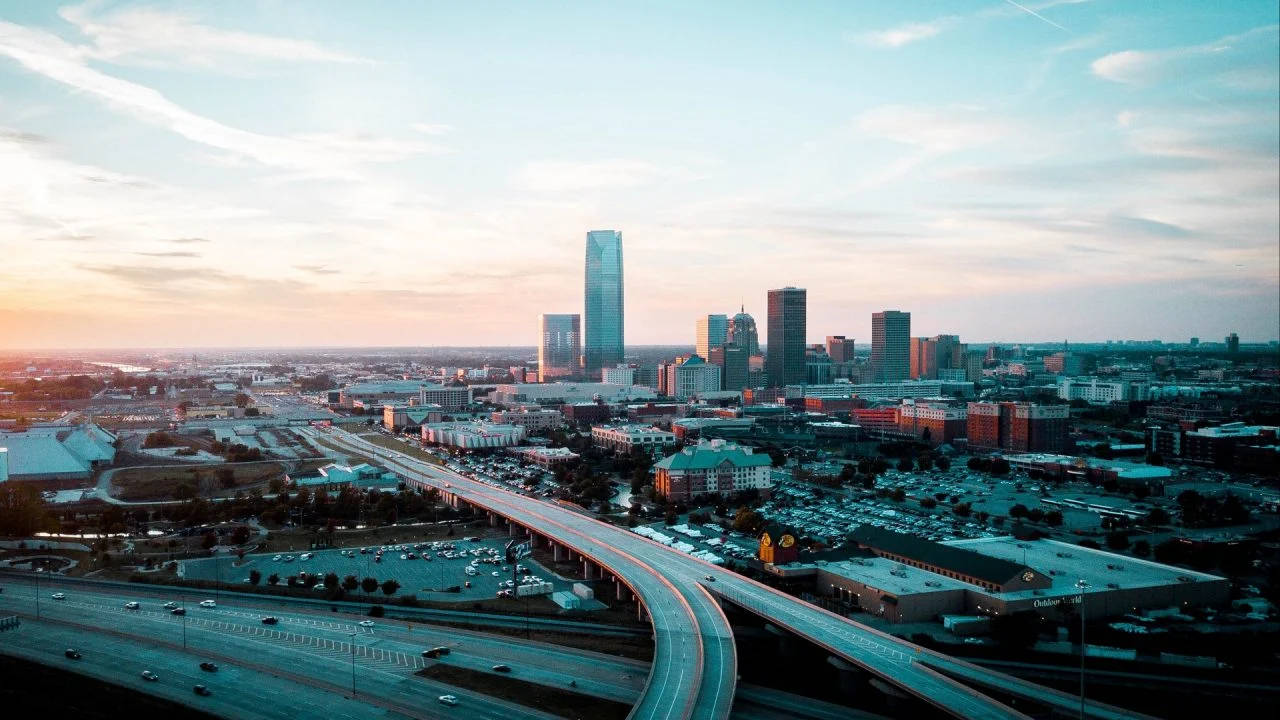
column 255, row 577
column 350, row 583
column 331, row 580
column 369, row 584
column 274, row 579
column 390, row 587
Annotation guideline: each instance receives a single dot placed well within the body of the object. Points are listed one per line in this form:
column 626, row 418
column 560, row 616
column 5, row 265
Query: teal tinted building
column 602, row 344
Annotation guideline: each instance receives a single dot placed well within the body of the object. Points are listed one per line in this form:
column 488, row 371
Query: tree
column 1142, row 548
column 906, row 464
column 898, row 495
column 928, row 503
column 1053, row 518
column 240, row 535
column 350, row 583
column 1157, row 516
column 274, row 579
column 1155, row 458
column 1117, row 541
column 746, row 520
column 255, row 577
column 242, row 400
column 331, row 580
column 943, row 463
column 1000, row 466
column 369, row 584
column 226, row 478
column 1018, row 511
column 925, row 462
column 390, row 587
column 961, row 509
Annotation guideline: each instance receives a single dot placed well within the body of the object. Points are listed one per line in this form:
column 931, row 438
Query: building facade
column 1018, row 426
column 734, row 364
column 1096, row 391
column 742, row 332
column 472, row 435
column 711, row 331
column 840, row 348
column 711, row 466
column 785, row 356
column 533, row 420
column 559, row 346
column 604, row 310
column 622, row 439
column 690, row 377
column 933, row 423
column 890, row 346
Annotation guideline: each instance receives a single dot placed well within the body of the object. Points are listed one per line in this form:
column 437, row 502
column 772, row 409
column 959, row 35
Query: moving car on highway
column 502, row 668
column 268, row 620
column 178, row 611
column 149, row 676
column 72, row 653
column 201, row 690
column 208, row 604
column 131, row 605
column 435, row 652
column 58, row 596
column 208, row 667
column 366, row 623
column 448, row 700
column 170, row 605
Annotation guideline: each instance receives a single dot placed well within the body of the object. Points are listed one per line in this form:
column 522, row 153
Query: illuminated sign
column 1054, row 602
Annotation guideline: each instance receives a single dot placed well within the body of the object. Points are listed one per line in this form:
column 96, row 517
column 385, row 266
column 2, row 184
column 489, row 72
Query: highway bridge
column 694, row 670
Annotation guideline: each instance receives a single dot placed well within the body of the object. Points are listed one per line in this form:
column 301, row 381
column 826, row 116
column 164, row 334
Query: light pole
column 1081, row 585
column 353, row 665
column 183, row 599
column 37, row 574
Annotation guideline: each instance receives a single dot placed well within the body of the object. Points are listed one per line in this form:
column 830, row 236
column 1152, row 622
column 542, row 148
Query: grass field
column 409, row 448
column 162, row 483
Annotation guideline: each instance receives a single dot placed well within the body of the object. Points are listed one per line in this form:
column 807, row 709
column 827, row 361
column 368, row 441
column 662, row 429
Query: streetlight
column 37, row 574
column 1081, row 585
column 353, row 665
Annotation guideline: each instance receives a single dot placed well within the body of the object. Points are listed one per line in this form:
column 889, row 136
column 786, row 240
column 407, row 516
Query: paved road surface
column 707, row 674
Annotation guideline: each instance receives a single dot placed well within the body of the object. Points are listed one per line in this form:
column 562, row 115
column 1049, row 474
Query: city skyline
column 178, row 174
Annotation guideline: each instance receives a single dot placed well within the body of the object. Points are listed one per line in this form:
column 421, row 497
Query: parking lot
column 436, row 565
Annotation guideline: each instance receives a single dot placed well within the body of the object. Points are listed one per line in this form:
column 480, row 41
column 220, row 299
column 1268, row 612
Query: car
column 170, row 605
column 366, row 623
column 435, row 652
column 148, row 675
column 72, row 653
column 208, row 604
column 404, row 557
column 200, row 690
column 448, row 700
column 131, row 605
column 708, row 578
column 58, row 596
column 178, row 611
column 501, row 668
column 268, row 620
column 208, row 667
column 495, row 573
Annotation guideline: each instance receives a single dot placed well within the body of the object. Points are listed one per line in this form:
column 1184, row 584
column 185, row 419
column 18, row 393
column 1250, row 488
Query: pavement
column 694, row 663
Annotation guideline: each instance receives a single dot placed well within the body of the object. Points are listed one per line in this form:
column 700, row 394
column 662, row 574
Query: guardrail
column 9, row 623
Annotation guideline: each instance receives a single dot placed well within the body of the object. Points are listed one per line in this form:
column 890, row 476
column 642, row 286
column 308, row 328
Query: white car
column 448, row 700
column 208, row 604
column 148, row 675
column 131, row 605
column 366, row 623
column 58, row 596
column 277, row 558
column 170, row 605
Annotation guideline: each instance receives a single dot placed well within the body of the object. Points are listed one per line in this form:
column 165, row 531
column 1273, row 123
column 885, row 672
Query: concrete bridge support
column 558, row 552
column 589, row 570
column 493, row 519
column 512, row 529
column 851, row 677
column 789, row 647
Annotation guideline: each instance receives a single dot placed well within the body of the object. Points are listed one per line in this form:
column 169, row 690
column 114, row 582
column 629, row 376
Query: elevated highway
column 694, row 668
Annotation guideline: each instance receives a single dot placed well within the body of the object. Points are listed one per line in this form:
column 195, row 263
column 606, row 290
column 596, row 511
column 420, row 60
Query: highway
column 693, row 664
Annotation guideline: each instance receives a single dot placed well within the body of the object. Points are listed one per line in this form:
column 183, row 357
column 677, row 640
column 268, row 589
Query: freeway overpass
column 694, row 669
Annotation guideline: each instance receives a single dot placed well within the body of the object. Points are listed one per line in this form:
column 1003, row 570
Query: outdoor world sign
column 1054, row 602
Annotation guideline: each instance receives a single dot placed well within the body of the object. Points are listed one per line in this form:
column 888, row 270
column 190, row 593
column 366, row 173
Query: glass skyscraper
column 890, row 346
column 559, row 347
column 784, row 356
column 603, row 302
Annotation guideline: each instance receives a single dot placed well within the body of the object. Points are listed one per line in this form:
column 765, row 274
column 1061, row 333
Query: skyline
column 281, row 175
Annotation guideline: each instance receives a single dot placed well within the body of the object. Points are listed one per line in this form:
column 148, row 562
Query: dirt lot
column 562, row 703
column 162, row 483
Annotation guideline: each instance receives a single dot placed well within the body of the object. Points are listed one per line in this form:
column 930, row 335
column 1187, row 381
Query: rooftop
column 961, row 560
column 709, row 454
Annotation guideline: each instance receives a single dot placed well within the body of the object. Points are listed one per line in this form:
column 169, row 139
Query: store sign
column 1054, row 602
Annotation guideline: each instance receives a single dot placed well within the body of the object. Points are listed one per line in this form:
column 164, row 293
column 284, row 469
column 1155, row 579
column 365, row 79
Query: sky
column 291, row 172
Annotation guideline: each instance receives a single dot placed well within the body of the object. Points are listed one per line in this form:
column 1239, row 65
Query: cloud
column 326, row 155
column 188, row 240
column 904, row 34
column 170, row 254
column 317, row 269
column 432, row 128
column 1246, row 60
column 934, row 129
column 566, row 176
column 151, row 36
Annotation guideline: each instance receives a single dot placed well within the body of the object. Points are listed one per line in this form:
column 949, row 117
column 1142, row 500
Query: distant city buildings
column 934, row 357
column 687, row 377
column 785, row 359
column 535, row 420
column 840, row 349
column 1232, row 342
column 890, row 346
column 1099, row 391
column 604, row 309
column 619, row 375
column 712, row 331
column 622, row 439
column 1018, row 427
column 565, row 393
column 742, row 332
column 559, row 346
column 734, row 364
column 711, row 466
column 935, row 423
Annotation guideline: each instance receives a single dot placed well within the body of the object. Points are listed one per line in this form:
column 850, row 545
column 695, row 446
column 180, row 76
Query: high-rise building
column 690, row 376
column 742, row 332
column 930, row 355
column 735, row 366
column 1017, row 426
column 712, row 330
column 785, row 361
column 603, row 343
column 559, row 346
column 840, row 348
column 1233, row 343
column 890, row 345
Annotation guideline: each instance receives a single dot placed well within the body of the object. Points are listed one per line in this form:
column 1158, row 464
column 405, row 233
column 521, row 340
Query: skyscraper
column 742, row 332
column 711, row 332
column 559, row 346
column 890, row 345
column 734, row 365
column 840, row 348
column 603, row 302
column 785, row 362
column 931, row 355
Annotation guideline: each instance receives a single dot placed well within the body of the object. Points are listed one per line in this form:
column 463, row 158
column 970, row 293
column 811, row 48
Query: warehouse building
column 58, row 452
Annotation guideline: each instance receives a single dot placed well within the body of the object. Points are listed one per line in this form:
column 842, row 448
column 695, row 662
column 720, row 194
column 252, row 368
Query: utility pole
column 353, row 665
column 1082, row 586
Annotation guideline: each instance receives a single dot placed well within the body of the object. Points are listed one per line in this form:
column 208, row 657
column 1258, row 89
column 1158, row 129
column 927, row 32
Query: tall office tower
column 928, row 356
column 785, row 362
column 890, row 345
column 603, row 343
column 742, row 332
column 1233, row 343
column 559, row 346
column 840, row 348
column 712, row 331
column 735, row 366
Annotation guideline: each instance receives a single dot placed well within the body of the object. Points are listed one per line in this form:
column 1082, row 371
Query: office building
column 559, row 346
column 930, row 356
column 712, row 331
column 1232, row 342
column 818, row 368
column 890, row 346
column 622, row 439
column 563, row 393
column 932, row 423
column 1102, row 392
column 690, row 376
column 399, row 418
column 840, row 348
column 535, row 420
column 604, row 310
column 448, row 397
column 742, row 332
column 711, row 466
column 619, row 375
column 472, row 435
column 734, row 364
column 785, row 354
